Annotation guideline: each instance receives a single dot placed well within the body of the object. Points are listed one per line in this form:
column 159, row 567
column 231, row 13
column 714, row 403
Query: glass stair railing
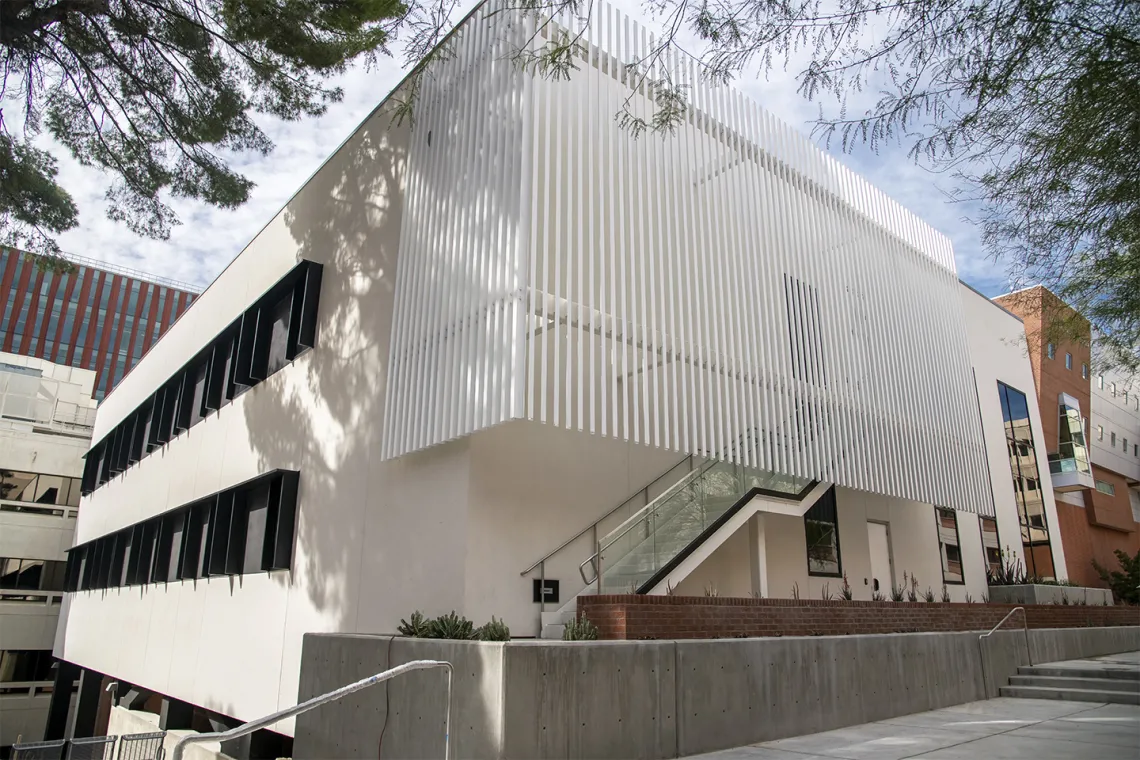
column 632, row 554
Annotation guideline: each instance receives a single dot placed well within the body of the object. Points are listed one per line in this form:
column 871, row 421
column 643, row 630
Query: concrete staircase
column 1075, row 683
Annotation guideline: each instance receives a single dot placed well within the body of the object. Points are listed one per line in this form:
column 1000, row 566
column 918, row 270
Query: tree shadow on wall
column 324, row 417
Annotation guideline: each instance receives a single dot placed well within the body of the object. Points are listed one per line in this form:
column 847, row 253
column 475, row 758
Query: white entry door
column 880, row 545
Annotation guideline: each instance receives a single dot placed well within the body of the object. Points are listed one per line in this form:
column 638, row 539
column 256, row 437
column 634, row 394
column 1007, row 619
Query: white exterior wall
column 997, row 350
column 727, row 289
column 45, row 429
column 1115, row 415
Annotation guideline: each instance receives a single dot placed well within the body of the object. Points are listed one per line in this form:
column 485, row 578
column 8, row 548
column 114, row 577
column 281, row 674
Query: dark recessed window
column 264, row 339
column 948, row 545
column 821, row 527
column 991, row 544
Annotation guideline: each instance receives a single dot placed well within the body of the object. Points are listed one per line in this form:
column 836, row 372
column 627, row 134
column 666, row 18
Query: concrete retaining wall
column 1036, row 593
column 652, row 699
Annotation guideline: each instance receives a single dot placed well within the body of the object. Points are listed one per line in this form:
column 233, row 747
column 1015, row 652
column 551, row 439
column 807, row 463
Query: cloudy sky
column 209, row 238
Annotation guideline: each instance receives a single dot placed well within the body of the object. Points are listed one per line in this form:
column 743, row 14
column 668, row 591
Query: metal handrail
column 596, row 523
column 633, row 520
column 990, row 632
column 248, row 728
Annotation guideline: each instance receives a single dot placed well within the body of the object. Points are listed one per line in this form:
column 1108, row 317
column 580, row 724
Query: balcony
column 1069, row 469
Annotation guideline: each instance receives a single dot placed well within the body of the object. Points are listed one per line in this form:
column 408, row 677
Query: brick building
column 1093, row 437
column 96, row 316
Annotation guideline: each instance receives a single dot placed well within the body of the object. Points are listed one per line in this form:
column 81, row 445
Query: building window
column 245, row 529
column 1068, row 361
column 1084, row 371
column 821, row 527
column 1100, row 382
column 1051, row 350
column 1136, row 450
column 1025, row 473
column 31, row 575
column 1106, row 488
column 1100, row 432
column 991, row 546
column 948, row 545
column 25, row 665
column 1072, row 454
column 1125, row 446
column 1112, row 440
column 1114, row 390
column 38, row 488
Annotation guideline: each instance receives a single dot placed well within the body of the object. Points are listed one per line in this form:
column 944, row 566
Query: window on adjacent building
column 31, row 574
column 1051, row 350
column 1112, row 439
column 1136, row 450
column 1105, row 487
column 821, row 527
column 1100, row 382
column 1100, row 432
column 948, row 545
column 1068, row 361
column 1025, row 473
column 1084, row 371
column 1114, row 390
column 25, row 665
column 1125, row 447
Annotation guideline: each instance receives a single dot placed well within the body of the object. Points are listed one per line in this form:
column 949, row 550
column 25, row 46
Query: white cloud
column 209, row 238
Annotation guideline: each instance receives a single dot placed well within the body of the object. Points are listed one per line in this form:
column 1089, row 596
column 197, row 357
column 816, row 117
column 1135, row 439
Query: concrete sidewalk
column 1017, row 729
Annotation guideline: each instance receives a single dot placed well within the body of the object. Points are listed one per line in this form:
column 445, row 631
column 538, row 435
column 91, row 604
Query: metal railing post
column 254, row 725
column 986, row 635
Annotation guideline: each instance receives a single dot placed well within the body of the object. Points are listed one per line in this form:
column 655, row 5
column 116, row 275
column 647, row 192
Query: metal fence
column 142, row 746
column 39, row 750
column 92, row 748
column 131, row 747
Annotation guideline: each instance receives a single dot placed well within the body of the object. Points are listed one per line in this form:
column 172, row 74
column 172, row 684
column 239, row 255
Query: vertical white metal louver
column 728, row 289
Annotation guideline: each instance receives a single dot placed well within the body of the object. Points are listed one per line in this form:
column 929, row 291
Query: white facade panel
column 727, row 289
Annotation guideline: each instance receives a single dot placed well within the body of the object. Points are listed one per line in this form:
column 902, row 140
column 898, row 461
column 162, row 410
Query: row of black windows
column 269, row 335
column 244, row 529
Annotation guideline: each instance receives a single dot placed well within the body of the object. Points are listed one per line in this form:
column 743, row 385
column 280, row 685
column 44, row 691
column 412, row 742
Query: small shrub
column 825, row 593
column 897, row 593
column 757, row 595
column 1010, row 571
column 496, row 630
column 670, row 589
column 928, row 595
column 845, row 589
column 877, row 596
column 912, row 590
column 416, row 626
column 985, row 598
column 711, row 592
column 1125, row 582
column 796, row 590
column 945, row 594
column 969, row 599
column 451, row 626
column 580, row 629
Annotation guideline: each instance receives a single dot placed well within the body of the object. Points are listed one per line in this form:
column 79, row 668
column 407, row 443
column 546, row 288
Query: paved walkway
column 1003, row 729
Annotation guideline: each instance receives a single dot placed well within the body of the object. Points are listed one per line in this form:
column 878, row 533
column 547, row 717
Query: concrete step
column 1122, row 673
column 1071, row 695
column 1108, row 684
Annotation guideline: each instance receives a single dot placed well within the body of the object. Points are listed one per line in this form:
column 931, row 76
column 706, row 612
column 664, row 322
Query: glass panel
column 635, row 551
column 9, row 572
column 1026, row 476
column 17, row 486
column 991, row 544
column 1072, row 453
column 948, row 545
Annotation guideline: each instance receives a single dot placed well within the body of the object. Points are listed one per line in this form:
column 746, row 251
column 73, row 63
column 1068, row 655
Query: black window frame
column 206, row 538
column 825, row 507
column 235, row 360
column 958, row 545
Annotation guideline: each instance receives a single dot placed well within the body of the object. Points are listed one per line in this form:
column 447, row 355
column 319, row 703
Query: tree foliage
column 1034, row 103
column 160, row 94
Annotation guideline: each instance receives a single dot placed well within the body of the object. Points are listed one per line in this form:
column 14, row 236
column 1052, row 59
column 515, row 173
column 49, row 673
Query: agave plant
column 417, row 625
column 496, row 630
column 580, row 629
column 451, row 626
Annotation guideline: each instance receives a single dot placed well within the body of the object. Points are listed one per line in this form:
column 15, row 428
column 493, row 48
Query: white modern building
column 46, row 418
column 443, row 375
column 1115, row 440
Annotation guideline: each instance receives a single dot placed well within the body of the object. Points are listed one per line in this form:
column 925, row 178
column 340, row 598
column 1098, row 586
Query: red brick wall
column 693, row 617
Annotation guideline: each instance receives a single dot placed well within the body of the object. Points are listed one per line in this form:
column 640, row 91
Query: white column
column 758, row 555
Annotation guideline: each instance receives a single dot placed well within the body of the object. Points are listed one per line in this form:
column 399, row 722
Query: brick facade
column 633, row 617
